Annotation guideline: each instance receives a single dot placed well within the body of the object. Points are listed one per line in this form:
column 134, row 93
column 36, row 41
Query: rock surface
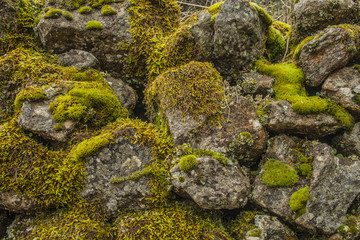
column 263, row 84
column 333, row 49
column 348, row 143
column 283, row 119
column 212, row 185
column 79, row 59
column 126, row 94
column 16, row 203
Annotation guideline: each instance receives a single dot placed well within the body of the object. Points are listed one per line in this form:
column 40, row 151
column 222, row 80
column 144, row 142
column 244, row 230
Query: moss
column 306, row 170
column 239, row 149
column 264, row 16
column 195, row 89
column 53, row 13
column 71, row 4
column 67, row 15
column 99, row 3
column 213, row 10
column 298, row 201
column 85, row 10
column 300, row 46
column 243, row 223
column 278, row 174
column 275, row 45
column 185, row 149
column 107, row 10
column 29, row 94
column 289, row 86
column 58, row 127
column 357, row 99
column 181, row 179
column 256, row 232
column 188, row 163
column 94, row 25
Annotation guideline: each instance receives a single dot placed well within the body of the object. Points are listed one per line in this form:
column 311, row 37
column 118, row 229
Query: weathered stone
column 341, row 87
column 203, row 31
column 126, row 95
column 333, row 49
column 120, row 159
column 212, row 185
column 37, row 118
column 16, row 203
column 283, row 119
column 309, row 16
column 79, row 59
column 348, row 142
column 264, row 84
column 335, row 183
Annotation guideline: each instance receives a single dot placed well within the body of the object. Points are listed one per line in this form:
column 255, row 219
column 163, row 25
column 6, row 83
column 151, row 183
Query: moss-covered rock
column 278, row 174
column 275, row 45
column 188, row 163
column 298, row 200
column 107, row 10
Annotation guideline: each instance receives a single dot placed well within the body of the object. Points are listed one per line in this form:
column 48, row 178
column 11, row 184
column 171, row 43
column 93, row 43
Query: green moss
column 58, row 127
column 242, row 224
column 289, row 86
column 185, row 149
column 29, row 94
column 239, row 149
column 188, row 163
column 53, row 13
column 264, row 16
column 213, row 10
column 275, row 45
column 107, row 10
column 99, row 3
column 94, row 25
column 71, row 4
column 85, row 10
column 181, row 179
column 306, row 170
column 357, row 99
column 67, row 15
column 278, row 174
column 300, row 46
column 298, row 201
column 256, row 232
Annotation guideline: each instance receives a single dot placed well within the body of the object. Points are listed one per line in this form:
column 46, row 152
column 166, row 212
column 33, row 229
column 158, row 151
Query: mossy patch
column 239, row 149
column 185, row 149
column 108, row 10
column 53, row 13
column 256, row 232
column 213, row 10
column 68, row 16
column 30, row 94
column 299, row 47
column 85, row 10
column 275, row 45
column 94, row 25
column 357, row 99
column 187, row 163
column 278, row 174
column 298, row 201
column 71, row 4
column 242, row 224
column 264, row 16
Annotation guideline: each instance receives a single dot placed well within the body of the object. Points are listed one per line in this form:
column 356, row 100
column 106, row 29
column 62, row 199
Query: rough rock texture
column 342, row 86
column 335, row 183
column 7, row 16
column 212, row 185
column 121, row 159
column 79, row 59
column 348, row 143
column 126, row 94
column 309, row 16
column 283, row 119
column 37, row 118
column 271, row 229
column 264, row 84
column 235, row 39
column 15, row 203
column 60, row 35
column 325, row 54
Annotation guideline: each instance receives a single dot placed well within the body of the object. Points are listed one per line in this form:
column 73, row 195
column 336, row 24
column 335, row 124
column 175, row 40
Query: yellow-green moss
column 85, row 10
column 264, row 16
column 289, row 86
column 194, row 88
column 58, row 127
column 256, row 232
column 29, row 94
column 67, row 15
column 275, row 45
column 94, row 25
column 99, row 3
column 71, row 4
column 188, row 163
column 306, row 170
column 53, row 13
column 278, row 174
column 185, row 149
column 108, row 10
column 298, row 201
column 213, row 10
column 243, row 223
column 357, row 99
column 239, row 149
column 301, row 45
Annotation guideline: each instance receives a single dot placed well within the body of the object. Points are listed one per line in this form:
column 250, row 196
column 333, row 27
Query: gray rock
column 335, row 183
column 37, row 118
column 126, row 94
column 16, row 203
column 348, row 142
column 212, row 185
column 333, row 49
column 283, row 119
column 79, row 59
column 120, row 159
column 341, row 87
column 264, row 84
column 309, row 16
column 203, row 33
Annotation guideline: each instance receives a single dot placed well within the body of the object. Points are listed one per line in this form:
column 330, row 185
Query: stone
column 15, row 203
column 5, row 220
column 283, row 119
column 212, row 185
column 79, row 59
column 331, row 50
column 334, row 185
column 120, row 159
column 37, row 118
column 341, row 87
column 310, row 16
column 127, row 95
column 264, row 84
column 348, row 143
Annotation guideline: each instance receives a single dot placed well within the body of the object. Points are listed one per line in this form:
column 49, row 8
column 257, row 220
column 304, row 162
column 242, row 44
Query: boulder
column 212, row 185
column 330, row 50
column 348, row 143
column 127, row 95
column 343, row 86
column 16, row 203
column 79, row 59
column 283, row 119
column 310, row 16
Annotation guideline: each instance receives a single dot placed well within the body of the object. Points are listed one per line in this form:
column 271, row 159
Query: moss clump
column 289, row 86
column 300, row 46
column 264, row 16
column 239, row 149
column 71, row 4
column 85, row 10
column 298, row 201
column 357, row 99
column 275, row 45
column 188, row 163
column 213, row 10
column 195, row 89
column 29, row 94
column 99, row 3
column 53, row 13
column 107, row 10
column 256, row 232
column 58, row 127
column 242, row 224
column 67, row 15
column 94, row 25
column 278, row 174
column 306, row 170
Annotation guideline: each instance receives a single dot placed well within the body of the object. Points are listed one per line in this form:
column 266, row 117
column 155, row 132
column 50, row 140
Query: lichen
column 275, row 45
column 94, row 25
column 187, row 163
column 108, row 10
column 278, row 174
column 53, row 13
column 298, row 201
column 85, row 10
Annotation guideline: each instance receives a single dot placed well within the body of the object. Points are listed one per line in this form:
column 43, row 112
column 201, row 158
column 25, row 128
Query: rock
column 212, row 185
column 79, row 59
column 341, row 87
column 37, row 118
column 126, row 94
column 309, row 16
column 348, row 143
column 283, row 119
column 59, row 35
column 202, row 31
column 263, row 84
column 330, row 50
column 16, row 203
column 5, row 220
column 335, row 183
column 120, row 159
